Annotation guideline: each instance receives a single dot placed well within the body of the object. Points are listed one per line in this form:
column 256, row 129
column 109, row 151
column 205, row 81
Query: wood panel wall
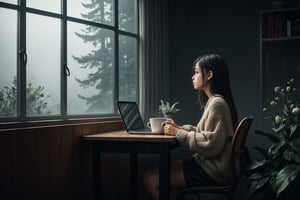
column 49, row 162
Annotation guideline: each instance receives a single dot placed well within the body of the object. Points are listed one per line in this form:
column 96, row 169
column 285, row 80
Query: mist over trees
column 102, row 58
column 111, row 66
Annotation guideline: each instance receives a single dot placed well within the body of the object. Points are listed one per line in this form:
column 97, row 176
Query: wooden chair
column 237, row 149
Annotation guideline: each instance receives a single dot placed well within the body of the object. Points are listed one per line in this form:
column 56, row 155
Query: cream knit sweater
column 211, row 140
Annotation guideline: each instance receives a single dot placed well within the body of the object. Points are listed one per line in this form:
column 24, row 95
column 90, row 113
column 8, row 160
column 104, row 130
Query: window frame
column 22, row 10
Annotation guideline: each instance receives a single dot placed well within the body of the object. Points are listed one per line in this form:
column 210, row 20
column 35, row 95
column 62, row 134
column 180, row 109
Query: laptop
column 132, row 118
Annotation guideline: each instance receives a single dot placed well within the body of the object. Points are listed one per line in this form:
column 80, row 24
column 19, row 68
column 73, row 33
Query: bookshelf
column 280, row 24
column 279, row 49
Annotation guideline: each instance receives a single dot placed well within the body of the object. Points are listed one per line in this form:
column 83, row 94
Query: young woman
column 210, row 140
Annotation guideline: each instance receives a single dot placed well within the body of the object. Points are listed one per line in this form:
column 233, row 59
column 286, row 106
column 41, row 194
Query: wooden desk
column 122, row 142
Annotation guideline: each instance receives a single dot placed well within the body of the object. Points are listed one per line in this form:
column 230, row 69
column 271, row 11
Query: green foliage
column 36, row 103
column 167, row 109
column 8, row 100
column 280, row 167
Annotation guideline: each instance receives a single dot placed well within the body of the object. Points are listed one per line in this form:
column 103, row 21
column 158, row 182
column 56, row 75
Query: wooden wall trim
column 107, row 123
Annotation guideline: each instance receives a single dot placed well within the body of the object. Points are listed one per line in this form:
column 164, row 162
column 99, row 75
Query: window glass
column 100, row 11
column 10, row 1
column 8, row 64
column 128, row 15
column 47, row 5
column 43, row 65
column 94, row 83
column 128, row 72
column 90, row 60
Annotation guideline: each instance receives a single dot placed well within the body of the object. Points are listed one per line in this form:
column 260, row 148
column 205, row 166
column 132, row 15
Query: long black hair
column 220, row 82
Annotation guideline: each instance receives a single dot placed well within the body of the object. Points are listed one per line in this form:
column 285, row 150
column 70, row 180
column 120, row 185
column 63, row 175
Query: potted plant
column 167, row 109
column 278, row 174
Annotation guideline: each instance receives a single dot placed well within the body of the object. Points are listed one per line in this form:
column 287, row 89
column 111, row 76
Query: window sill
column 59, row 122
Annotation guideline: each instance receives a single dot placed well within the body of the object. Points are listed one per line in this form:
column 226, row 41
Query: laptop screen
column 130, row 114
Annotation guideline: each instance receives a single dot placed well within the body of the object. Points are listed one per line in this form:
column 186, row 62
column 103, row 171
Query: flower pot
column 169, row 116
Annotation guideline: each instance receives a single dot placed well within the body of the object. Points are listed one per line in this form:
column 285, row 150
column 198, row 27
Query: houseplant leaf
column 295, row 144
column 276, row 147
column 257, row 164
column 288, row 155
column 284, row 177
column 293, row 128
column 272, row 137
column 277, row 130
column 257, row 183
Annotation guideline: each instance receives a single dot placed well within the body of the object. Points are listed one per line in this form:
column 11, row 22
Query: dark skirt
column 194, row 175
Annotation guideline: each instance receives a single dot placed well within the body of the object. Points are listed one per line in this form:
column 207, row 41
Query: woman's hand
column 170, row 127
column 172, row 122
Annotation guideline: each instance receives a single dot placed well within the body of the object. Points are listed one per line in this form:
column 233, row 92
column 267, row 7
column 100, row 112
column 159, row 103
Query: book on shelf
column 275, row 26
column 293, row 27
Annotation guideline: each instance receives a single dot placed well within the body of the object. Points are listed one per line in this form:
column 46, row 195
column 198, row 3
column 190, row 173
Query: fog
column 43, row 44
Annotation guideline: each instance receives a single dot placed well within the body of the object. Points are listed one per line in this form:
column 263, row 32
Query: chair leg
column 199, row 195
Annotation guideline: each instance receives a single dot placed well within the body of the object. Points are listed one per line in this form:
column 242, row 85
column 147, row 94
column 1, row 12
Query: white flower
column 273, row 103
column 277, row 89
column 277, row 119
column 288, row 88
column 296, row 110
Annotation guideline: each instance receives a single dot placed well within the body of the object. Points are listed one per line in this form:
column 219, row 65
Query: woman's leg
column 151, row 179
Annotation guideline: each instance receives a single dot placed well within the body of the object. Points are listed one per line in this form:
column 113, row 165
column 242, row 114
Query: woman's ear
column 209, row 74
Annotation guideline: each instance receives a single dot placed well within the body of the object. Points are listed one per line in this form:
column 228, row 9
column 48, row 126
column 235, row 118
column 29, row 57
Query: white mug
column 156, row 124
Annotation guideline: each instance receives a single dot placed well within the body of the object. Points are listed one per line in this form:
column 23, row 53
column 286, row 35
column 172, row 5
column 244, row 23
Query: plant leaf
column 275, row 148
column 279, row 128
column 293, row 128
column 256, row 185
column 257, row 164
column 284, row 177
column 288, row 155
column 296, row 145
column 255, row 176
column 272, row 137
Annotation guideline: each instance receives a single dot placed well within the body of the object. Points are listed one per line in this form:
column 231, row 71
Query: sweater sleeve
column 189, row 127
column 210, row 135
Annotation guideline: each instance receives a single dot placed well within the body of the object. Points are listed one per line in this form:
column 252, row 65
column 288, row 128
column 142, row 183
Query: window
column 8, row 60
column 66, row 59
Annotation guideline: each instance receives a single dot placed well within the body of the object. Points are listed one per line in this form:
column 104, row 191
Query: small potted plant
column 167, row 109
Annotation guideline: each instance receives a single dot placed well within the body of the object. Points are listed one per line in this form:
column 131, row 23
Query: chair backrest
column 238, row 144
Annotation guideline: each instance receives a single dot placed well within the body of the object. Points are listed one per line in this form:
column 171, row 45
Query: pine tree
column 102, row 58
column 127, row 59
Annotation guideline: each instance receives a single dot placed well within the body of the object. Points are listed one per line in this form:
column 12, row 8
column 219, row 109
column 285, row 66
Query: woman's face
column 197, row 78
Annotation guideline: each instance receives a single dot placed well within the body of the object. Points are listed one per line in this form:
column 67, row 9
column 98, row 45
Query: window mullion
column 116, row 58
column 138, row 53
column 64, row 63
column 21, row 74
